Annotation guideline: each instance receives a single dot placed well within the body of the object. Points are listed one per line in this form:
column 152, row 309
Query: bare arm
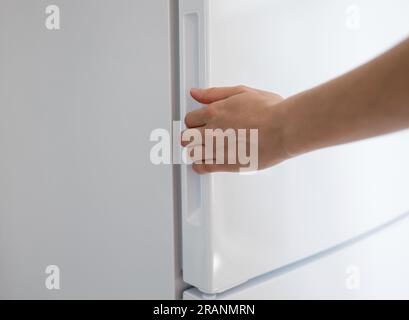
column 368, row 101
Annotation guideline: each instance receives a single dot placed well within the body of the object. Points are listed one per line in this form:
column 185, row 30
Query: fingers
column 199, row 153
column 197, row 118
column 197, row 136
column 197, row 122
column 200, row 117
column 208, row 158
column 203, row 168
column 193, row 137
column 208, row 96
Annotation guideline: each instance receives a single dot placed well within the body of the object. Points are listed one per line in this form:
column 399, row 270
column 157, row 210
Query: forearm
column 369, row 101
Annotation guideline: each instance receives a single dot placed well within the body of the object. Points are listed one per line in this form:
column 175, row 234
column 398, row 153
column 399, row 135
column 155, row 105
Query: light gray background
column 77, row 188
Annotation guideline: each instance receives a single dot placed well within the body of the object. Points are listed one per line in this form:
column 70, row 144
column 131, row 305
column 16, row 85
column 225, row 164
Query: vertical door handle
column 192, row 35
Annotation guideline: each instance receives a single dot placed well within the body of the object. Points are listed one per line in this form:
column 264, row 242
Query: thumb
column 208, row 96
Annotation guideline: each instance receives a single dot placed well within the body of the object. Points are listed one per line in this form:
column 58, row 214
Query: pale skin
column 369, row 101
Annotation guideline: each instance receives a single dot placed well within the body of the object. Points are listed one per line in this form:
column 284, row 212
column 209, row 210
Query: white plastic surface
column 252, row 224
column 77, row 186
column 193, row 73
column 374, row 267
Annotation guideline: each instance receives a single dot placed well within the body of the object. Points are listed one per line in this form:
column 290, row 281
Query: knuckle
column 187, row 119
column 243, row 88
column 210, row 111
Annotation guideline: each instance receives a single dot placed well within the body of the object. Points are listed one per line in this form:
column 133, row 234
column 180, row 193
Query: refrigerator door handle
column 192, row 75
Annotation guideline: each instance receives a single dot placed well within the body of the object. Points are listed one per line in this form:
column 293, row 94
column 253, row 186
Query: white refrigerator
column 83, row 86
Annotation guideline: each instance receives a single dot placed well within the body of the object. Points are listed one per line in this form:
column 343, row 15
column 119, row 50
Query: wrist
column 288, row 134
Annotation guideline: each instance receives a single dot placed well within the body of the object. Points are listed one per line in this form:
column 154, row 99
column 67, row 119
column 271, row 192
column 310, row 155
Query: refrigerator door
column 239, row 226
column 372, row 267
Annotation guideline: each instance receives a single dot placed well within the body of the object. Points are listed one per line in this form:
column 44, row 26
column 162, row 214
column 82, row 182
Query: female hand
column 236, row 108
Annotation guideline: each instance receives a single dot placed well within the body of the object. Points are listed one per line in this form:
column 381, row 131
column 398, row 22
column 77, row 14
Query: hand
column 237, row 108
